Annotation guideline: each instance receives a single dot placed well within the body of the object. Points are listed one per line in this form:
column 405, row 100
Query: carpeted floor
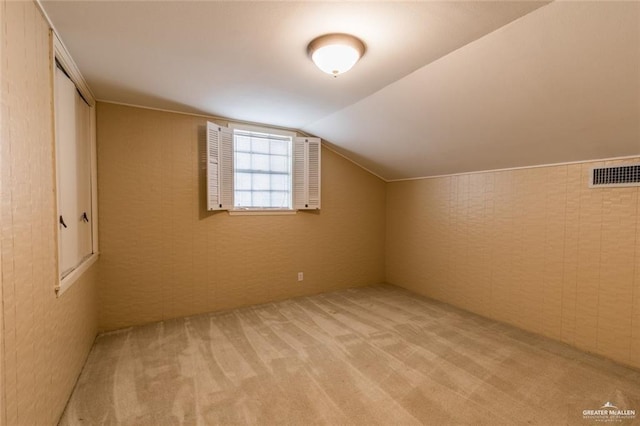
column 366, row 356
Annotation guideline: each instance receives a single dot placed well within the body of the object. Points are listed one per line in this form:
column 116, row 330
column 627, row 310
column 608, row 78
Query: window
column 262, row 170
column 250, row 168
column 75, row 171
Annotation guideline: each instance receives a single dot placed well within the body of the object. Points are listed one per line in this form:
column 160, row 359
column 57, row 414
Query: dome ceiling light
column 335, row 53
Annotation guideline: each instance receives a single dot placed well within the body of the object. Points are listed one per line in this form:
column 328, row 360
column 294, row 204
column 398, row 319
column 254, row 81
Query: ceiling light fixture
column 335, row 53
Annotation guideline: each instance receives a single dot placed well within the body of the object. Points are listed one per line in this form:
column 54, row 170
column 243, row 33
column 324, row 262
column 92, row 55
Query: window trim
column 266, row 211
column 61, row 54
column 261, row 129
column 262, row 212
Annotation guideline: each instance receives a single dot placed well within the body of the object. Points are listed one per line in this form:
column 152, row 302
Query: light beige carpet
column 366, row 356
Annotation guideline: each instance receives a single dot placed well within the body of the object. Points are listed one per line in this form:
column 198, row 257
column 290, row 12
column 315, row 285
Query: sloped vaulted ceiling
column 444, row 87
column 560, row 84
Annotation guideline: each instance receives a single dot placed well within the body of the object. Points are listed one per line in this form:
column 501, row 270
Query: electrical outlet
column 300, row 276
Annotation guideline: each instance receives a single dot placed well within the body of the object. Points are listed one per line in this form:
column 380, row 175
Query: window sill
column 262, row 212
column 73, row 276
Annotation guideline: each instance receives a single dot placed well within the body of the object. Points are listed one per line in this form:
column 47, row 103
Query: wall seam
column 575, row 310
column 13, row 266
column 3, row 107
column 509, row 169
column 564, row 247
column 599, row 274
column 325, row 144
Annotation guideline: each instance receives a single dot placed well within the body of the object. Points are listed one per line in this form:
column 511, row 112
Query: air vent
column 605, row 177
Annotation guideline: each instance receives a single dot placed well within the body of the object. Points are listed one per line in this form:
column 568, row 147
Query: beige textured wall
column 46, row 339
column 535, row 248
column 164, row 256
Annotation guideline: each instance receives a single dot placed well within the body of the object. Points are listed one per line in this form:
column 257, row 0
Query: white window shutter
column 306, row 173
column 219, row 167
column 299, row 174
column 213, row 135
column 226, row 168
column 313, row 167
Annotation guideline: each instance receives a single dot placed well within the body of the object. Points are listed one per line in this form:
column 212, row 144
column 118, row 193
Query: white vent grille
column 617, row 176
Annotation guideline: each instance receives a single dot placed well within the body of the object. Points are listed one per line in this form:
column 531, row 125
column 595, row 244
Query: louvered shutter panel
column 306, row 173
column 219, row 167
column 225, row 166
column 313, row 178
column 299, row 174
column 213, row 135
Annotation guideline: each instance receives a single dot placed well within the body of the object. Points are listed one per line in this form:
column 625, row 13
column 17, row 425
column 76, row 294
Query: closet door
column 73, row 167
column 83, row 184
column 66, row 168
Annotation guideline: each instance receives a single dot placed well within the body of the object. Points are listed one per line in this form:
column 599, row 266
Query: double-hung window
column 262, row 170
column 250, row 168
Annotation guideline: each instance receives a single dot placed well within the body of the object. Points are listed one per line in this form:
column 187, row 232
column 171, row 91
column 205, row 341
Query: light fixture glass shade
column 335, row 53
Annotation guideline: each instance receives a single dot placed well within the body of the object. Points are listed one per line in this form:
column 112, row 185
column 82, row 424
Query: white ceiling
column 561, row 84
column 444, row 87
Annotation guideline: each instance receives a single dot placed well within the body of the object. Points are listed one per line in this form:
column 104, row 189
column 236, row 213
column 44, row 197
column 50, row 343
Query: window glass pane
column 243, row 161
column 261, row 181
column 279, row 182
column 261, row 199
column 242, row 199
column 280, row 147
column 263, row 171
column 260, row 145
column 243, row 143
column 279, row 163
column 260, row 162
column 280, row 199
column 243, row 181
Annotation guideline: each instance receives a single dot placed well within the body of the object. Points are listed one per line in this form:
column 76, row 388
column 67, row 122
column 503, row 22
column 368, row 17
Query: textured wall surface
column 164, row 256
column 46, row 339
column 536, row 248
